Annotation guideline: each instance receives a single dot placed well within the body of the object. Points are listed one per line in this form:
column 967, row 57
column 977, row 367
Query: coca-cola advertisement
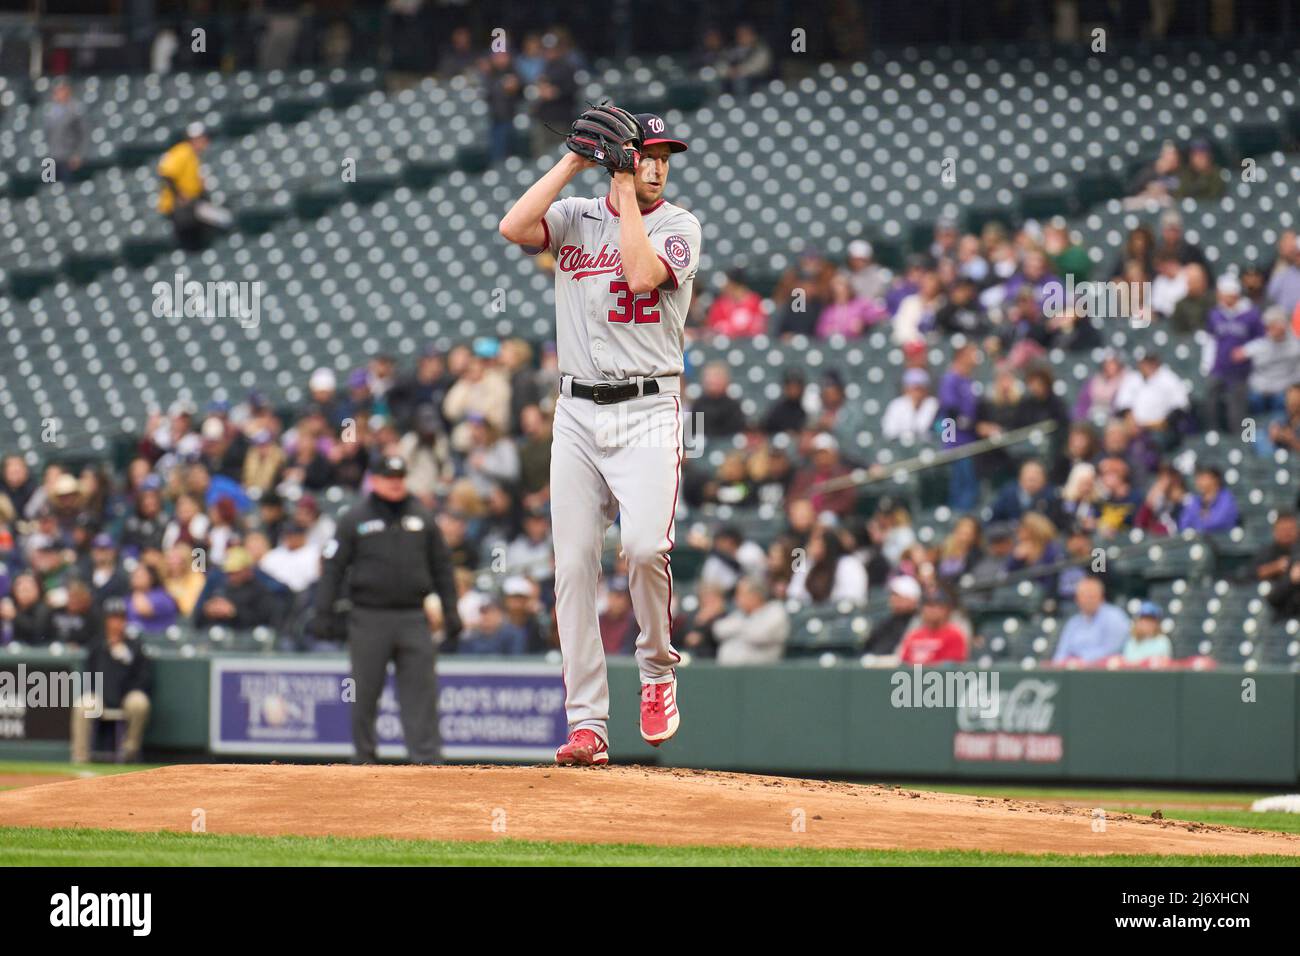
column 1020, row 730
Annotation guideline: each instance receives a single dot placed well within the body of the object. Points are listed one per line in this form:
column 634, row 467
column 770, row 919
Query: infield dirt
column 601, row 805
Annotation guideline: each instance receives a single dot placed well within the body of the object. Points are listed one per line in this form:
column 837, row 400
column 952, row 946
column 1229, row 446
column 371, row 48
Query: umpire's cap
column 391, row 466
column 656, row 131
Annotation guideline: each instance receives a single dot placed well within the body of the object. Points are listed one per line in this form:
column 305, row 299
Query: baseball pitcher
column 624, row 266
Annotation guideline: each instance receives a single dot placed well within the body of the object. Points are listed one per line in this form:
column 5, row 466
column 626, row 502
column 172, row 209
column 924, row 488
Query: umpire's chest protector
column 391, row 558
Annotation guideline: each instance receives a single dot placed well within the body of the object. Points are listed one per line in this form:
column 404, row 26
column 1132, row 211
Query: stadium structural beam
column 864, row 477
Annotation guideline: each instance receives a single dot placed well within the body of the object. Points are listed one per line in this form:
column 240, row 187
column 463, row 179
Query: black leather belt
column 607, row 393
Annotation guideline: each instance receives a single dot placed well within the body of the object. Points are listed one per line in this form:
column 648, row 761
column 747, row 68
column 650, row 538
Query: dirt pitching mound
column 599, row 805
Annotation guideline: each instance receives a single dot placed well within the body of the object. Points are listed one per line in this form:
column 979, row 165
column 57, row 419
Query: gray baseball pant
column 375, row 637
column 612, row 461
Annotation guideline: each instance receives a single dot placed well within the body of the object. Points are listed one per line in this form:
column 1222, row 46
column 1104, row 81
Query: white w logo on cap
column 656, row 124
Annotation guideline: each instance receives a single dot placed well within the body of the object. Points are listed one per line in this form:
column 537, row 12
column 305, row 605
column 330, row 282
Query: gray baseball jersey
column 603, row 331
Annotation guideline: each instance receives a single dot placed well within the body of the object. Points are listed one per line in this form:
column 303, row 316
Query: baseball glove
column 608, row 136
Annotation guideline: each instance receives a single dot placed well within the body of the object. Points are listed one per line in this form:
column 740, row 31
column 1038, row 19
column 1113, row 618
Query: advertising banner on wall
column 36, row 700
column 1023, row 728
column 487, row 710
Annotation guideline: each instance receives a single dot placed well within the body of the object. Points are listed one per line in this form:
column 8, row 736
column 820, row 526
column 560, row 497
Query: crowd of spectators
column 740, row 61
column 1111, row 468
column 1175, row 174
column 221, row 514
column 284, row 34
column 538, row 79
column 218, row 518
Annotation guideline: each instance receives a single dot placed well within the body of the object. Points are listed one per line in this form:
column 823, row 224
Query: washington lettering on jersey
column 582, row 264
column 602, row 331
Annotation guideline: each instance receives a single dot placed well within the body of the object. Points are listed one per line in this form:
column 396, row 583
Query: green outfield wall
column 1202, row 727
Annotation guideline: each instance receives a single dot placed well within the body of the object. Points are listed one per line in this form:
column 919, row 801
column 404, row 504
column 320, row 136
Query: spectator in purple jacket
column 1233, row 322
column 149, row 607
column 1099, row 393
column 908, row 283
column 1035, row 275
column 846, row 314
column 1213, row 508
column 958, row 409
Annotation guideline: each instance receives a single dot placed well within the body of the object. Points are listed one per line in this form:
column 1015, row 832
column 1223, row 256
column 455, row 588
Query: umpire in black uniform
column 391, row 556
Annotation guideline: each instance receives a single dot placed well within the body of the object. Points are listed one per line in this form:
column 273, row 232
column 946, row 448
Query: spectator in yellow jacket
column 182, row 187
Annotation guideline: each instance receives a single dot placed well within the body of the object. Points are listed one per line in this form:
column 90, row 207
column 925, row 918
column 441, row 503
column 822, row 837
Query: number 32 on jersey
column 640, row 309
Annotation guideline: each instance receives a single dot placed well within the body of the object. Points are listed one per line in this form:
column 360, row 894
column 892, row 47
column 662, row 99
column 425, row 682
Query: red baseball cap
column 656, row 131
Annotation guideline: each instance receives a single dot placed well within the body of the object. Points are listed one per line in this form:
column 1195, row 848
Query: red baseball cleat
column 584, row 748
column 659, row 717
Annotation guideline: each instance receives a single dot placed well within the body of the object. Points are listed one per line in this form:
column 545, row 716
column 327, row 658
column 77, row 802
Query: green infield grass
column 49, row 768
column 71, row 847
column 24, row 846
